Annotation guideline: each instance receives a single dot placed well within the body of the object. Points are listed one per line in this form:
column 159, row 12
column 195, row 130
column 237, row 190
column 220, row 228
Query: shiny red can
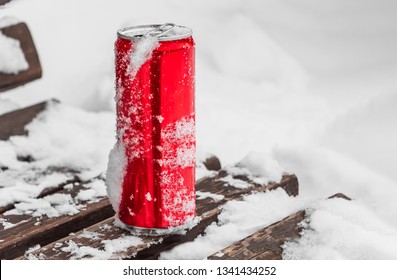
column 156, row 126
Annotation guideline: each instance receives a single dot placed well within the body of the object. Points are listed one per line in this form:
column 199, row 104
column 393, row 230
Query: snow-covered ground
column 310, row 85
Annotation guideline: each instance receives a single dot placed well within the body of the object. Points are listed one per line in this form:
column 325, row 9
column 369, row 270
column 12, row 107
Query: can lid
column 163, row 32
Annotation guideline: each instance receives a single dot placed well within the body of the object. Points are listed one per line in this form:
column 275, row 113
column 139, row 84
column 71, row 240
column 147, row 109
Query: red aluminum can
column 155, row 128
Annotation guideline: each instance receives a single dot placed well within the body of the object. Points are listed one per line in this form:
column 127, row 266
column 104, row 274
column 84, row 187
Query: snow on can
column 151, row 171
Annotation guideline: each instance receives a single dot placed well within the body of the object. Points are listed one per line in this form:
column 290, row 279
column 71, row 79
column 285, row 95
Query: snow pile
column 58, row 135
column 21, row 186
column 63, row 142
column 322, row 172
column 323, row 232
column 263, row 166
column 260, row 168
column 92, row 191
column 341, row 229
column 12, row 59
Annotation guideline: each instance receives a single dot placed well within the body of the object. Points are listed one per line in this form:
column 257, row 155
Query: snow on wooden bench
column 74, row 246
column 13, row 123
column 89, row 224
column 266, row 244
column 21, row 33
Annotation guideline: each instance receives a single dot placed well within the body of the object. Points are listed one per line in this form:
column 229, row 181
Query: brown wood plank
column 2, row 2
column 212, row 163
column 266, row 244
column 21, row 32
column 30, row 231
column 150, row 248
column 13, row 123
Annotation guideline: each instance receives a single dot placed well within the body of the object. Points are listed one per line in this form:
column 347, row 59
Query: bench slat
column 30, row 231
column 266, row 244
column 21, row 32
column 13, row 123
column 151, row 247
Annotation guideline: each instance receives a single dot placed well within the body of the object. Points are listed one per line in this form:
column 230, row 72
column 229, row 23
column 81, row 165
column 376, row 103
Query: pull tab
column 161, row 30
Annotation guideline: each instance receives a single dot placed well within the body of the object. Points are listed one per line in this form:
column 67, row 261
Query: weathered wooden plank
column 2, row 2
column 21, row 32
column 266, row 244
column 29, row 231
column 212, row 163
column 207, row 209
column 13, row 123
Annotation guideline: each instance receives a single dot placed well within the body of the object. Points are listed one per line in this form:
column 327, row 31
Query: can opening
column 163, row 32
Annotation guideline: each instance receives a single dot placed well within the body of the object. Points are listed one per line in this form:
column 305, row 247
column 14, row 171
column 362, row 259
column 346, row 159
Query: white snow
column 201, row 170
column 237, row 183
column 148, row 196
column 34, row 248
column 115, row 174
column 213, row 196
column 181, row 132
column 12, row 59
column 341, row 229
column 61, row 136
column 258, row 167
column 335, row 229
column 287, row 81
column 141, row 53
column 54, row 205
column 238, row 220
column 262, row 166
column 7, row 105
column 93, row 191
column 89, row 235
column 21, row 186
column 8, row 21
column 110, row 247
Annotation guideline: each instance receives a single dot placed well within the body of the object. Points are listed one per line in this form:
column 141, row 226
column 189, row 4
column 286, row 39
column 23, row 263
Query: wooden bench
column 86, row 233
column 21, row 33
column 266, row 244
column 96, row 217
